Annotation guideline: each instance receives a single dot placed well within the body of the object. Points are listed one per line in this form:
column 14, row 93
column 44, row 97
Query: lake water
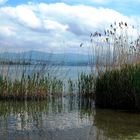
column 62, row 72
column 65, row 118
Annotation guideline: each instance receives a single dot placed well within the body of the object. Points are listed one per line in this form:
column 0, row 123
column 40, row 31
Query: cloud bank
column 55, row 27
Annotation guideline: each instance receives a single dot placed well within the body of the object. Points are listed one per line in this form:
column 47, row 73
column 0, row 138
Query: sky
column 59, row 26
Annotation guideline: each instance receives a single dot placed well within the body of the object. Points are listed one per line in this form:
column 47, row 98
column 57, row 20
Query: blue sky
column 59, row 25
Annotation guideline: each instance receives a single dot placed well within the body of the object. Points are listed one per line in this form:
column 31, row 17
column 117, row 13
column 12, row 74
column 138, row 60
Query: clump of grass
column 86, row 85
column 29, row 87
column 56, row 86
column 71, row 87
column 116, row 51
column 28, row 79
column 119, row 88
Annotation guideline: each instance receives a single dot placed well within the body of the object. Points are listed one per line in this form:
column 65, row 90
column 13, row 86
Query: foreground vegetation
column 118, row 82
column 30, row 87
column 119, row 88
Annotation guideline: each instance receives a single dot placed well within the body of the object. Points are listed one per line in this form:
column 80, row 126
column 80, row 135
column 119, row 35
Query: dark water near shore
column 65, row 118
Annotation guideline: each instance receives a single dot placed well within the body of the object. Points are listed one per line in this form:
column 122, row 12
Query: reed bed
column 119, row 88
column 30, row 88
column 115, row 46
column 33, row 82
column 85, row 85
column 117, row 52
column 28, row 82
column 116, row 88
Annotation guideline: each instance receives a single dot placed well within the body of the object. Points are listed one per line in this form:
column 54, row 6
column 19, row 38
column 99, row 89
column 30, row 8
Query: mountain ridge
column 54, row 58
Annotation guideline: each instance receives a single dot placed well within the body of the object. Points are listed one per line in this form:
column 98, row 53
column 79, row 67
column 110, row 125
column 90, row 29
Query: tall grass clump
column 71, row 87
column 85, row 85
column 28, row 82
column 29, row 87
column 119, row 88
column 116, row 51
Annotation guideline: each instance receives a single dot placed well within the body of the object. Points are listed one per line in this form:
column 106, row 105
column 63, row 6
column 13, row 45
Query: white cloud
column 7, row 31
column 8, row 12
column 81, row 19
column 45, row 26
column 26, row 16
column 53, row 25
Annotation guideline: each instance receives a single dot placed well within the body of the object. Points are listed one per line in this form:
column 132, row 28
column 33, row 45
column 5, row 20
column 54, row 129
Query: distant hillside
column 65, row 59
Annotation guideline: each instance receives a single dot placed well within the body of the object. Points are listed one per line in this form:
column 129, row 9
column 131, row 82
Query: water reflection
column 65, row 118
column 117, row 125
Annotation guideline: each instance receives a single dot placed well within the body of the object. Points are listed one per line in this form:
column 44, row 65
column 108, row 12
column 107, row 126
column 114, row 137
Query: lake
column 65, row 118
column 62, row 72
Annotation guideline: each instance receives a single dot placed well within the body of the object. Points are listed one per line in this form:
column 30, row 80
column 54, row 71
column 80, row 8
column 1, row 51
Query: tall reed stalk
column 116, row 46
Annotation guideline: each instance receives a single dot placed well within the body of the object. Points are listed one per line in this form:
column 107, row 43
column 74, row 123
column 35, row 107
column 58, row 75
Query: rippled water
column 65, row 118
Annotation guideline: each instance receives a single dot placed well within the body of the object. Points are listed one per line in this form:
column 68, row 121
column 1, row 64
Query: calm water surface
column 65, row 118
column 62, row 72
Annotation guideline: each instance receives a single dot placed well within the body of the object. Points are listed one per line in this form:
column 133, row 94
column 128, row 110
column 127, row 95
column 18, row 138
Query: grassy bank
column 119, row 88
